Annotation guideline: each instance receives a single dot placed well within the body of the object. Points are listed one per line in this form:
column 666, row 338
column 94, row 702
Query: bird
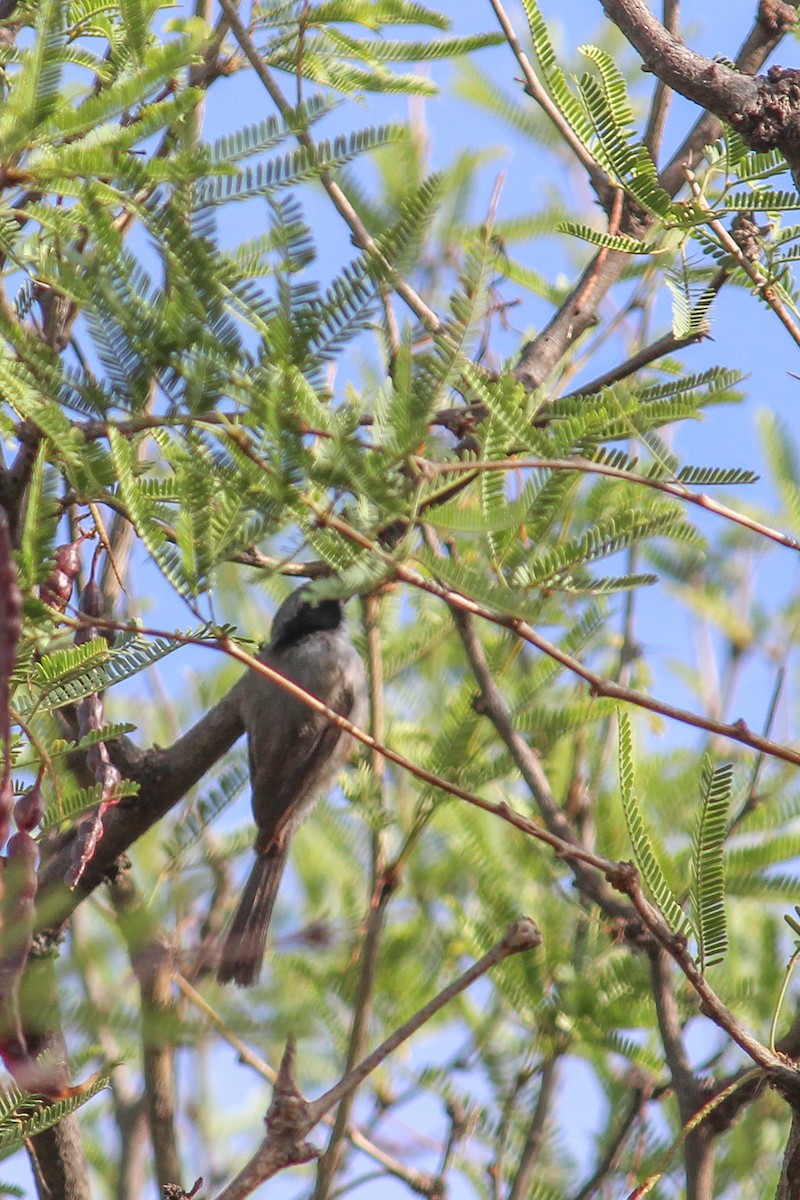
column 295, row 754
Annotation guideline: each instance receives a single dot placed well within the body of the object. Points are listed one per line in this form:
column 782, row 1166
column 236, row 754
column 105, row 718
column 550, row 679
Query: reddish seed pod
column 56, row 590
column 108, row 775
column 6, row 808
column 90, row 714
column 23, row 856
column 92, row 604
column 29, row 809
column 92, row 601
column 68, row 558
column 86, row 839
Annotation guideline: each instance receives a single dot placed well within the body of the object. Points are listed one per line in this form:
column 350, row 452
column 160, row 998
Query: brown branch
column 151, row 962
column 418, row 1181
column 537, row 91
column 713, row 85
column 764, row 286
column 532, row 1149
column 668, row 343
column 670, row 487
column 539, row 357
column 492, row 705
column 128, row 1107
column 613, row 1152
column 164, row 777
column 291, row 1118
column 60, row 1165
column 689, row 1091
column 788, row 1185
column 685, row 1082
column 660, row 103
column 627, row 880
column 381, row 889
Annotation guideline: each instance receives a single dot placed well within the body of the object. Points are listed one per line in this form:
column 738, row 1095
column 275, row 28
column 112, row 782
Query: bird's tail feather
column 246, row 939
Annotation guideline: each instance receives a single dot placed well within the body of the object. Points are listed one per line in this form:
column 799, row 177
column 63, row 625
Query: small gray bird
column 295, row 754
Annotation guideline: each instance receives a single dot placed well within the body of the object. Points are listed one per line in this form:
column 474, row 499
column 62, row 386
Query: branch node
column 524, row 934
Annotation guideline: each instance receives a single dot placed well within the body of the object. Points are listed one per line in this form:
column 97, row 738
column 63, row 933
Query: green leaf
column 708, row 865
column 23, row 1116
column 646, row 861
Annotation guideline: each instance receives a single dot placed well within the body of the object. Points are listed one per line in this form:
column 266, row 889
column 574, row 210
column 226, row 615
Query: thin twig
column 537, row 91
column 670, row 487
column 764, row 286
column 522, row 936
column 611, row 1157
column 668, row 343
column 684, row 1079
column 418, row 1181
column 291, row 1118
column 737, row 731
column 380, row 892
column 361, row 235
column 532, row 1149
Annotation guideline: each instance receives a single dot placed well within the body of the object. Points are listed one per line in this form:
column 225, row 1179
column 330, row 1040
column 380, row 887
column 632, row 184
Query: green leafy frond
column 610, row 111
column 718, row 381
column 708, row 865
column 160, row 64
column 372, row 50
column 41, row 519
column 75, row 803
column 106, row 733
column 642, row 848
column 569, row 105
column 690, row 302
column 256, row 139
column 762, row 201
column 196, row 818
column 715, row 476
column 35, row 91
column 24, row 1116
column 607, row 241
column 131, row 654
column 784, row 460
column 505, row 600
column 295, row 166
column 547, row 567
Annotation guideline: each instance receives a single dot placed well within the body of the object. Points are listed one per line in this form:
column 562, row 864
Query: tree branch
column 539, row 357
column 291, row 1118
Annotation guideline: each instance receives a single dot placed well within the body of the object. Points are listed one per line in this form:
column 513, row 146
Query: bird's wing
column 285, row 777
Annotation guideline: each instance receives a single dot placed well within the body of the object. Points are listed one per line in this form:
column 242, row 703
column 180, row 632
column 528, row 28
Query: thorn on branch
column 174, row 1191
column 288, row 1113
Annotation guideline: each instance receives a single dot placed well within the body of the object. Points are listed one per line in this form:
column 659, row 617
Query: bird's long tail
column 246, row 939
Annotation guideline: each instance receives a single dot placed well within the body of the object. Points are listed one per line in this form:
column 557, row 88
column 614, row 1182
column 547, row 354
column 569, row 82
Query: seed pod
column 68, row 558
column 10, row 629
column 29, row 809
column 56, row 590
column 91, row 717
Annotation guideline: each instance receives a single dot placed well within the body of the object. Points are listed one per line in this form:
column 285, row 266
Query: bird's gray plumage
column 295, row 754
